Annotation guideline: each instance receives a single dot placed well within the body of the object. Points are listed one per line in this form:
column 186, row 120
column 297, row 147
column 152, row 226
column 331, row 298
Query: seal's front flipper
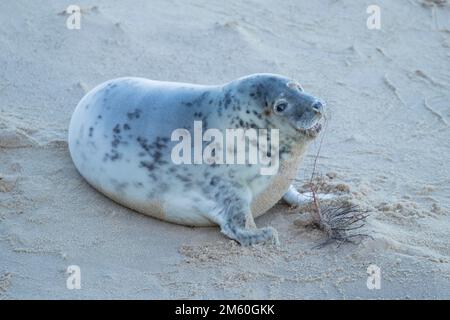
column 295, row 198
column 249, row 237
column 237, row 217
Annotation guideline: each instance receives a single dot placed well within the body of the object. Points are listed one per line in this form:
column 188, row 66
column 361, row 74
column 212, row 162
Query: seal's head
column 299, row 109
column 288, row 107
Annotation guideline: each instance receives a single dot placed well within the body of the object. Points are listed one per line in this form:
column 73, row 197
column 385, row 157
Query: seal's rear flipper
column 295, row 198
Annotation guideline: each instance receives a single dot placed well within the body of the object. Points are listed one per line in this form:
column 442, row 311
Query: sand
column 386, row 147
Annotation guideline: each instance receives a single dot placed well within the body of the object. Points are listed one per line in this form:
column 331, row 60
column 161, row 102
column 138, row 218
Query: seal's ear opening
column 295, row 84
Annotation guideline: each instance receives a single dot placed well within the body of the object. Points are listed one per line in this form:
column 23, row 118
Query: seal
column 125, row 137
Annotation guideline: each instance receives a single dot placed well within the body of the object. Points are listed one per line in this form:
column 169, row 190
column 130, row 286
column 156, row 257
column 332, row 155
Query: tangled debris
column 338, row 220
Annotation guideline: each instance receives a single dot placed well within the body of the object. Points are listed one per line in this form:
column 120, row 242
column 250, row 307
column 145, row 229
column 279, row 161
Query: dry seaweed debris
column 338, row 220
column 339, row 223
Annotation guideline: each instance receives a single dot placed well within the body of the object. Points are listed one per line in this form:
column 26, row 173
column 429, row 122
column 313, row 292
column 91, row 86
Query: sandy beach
column 386, row 147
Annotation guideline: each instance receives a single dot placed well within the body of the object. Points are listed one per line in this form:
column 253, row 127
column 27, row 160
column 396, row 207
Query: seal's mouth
column 312, row 131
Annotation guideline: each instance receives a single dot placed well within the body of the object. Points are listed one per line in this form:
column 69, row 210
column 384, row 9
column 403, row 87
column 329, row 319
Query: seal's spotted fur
column 119, row 140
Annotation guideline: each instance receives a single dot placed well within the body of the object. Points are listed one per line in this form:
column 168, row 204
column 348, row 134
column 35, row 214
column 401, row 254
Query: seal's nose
column 318, row 107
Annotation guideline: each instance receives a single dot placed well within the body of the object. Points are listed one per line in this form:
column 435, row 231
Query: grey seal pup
column 155, row 147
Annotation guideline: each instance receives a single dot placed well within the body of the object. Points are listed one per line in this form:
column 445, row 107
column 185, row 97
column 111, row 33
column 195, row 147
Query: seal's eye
column 280, row 106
